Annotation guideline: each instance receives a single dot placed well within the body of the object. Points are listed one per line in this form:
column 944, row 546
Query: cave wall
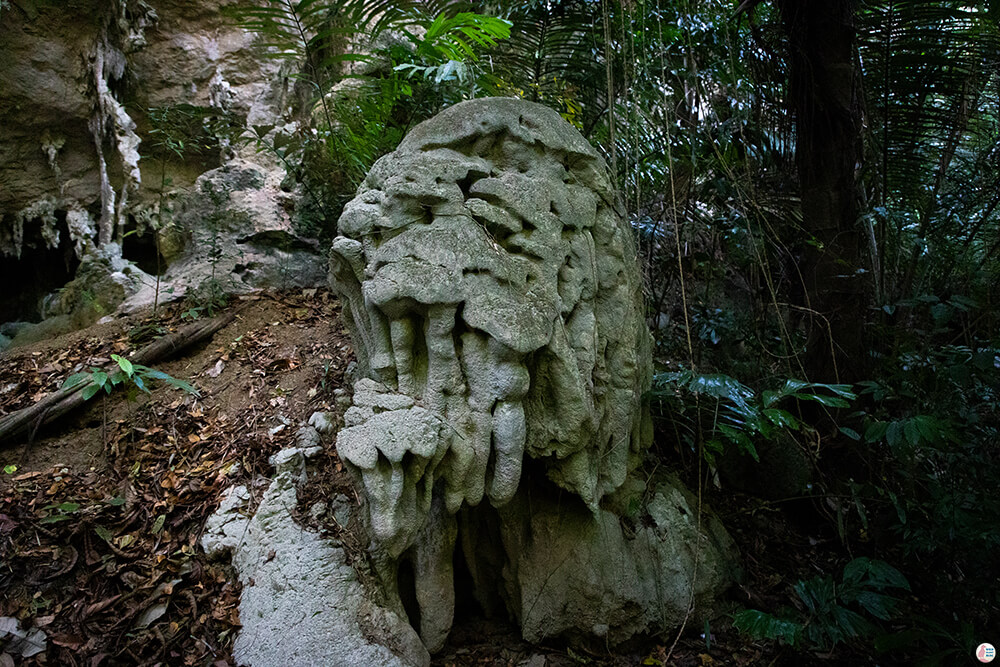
column 78, row 162
column 176, row 53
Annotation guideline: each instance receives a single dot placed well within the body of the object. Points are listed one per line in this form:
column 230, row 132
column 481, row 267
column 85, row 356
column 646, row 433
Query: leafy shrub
column 826, row 613
column 431, row 62
column 738, row 414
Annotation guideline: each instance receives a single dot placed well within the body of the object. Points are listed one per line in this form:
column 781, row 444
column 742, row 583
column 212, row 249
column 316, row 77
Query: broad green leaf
column 90, row 390
column 876, row 574
column 894, row 434
column 828, row 401
column 123, row 364
column 876, row 431
column 817, row 594
column 878, row 605
column 850, row 433
column 182, row 385
column 849, row 624
column 761, row 625
column 55, row 518
column 75, row 380
column 103, row 533
column 782, row 418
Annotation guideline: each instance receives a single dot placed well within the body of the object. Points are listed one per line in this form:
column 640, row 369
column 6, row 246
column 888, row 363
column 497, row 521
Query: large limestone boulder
column 491, row 287
column 486, row 271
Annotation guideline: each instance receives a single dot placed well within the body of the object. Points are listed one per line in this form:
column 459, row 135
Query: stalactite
column 81, row 231
column 124, row 34
column 51, row 145
column 12, row 238
column 43, row 210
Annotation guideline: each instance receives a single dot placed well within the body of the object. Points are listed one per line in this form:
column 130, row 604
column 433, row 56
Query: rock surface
column 302, row 603
column 568, row 571
column 492, row 291
column 486, row 271
column 175, row 52
column 233, row 229
column 82, row 161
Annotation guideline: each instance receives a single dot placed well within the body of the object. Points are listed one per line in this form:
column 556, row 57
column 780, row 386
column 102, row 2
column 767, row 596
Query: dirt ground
column 101, row 512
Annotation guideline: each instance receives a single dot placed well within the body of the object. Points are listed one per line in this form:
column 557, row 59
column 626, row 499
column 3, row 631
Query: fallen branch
column 58, row 403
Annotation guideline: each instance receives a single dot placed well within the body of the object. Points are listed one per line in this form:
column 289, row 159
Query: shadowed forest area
column 813, row 189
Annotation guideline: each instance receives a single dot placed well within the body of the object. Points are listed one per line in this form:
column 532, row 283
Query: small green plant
column 59, row 512
column 826, row 613
column 211, row 295
column 181, row 132
column 132, row 377
column 325, row 376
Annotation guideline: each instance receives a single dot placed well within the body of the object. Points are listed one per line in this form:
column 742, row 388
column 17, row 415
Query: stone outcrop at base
column 302, row 603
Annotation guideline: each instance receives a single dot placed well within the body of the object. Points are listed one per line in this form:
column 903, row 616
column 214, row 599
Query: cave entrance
column 469, row 613
column 406, row 585
column 140, row 248
column 39, row 271
column 481, row 616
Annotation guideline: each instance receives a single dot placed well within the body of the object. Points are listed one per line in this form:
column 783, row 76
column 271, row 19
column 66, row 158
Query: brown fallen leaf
column 99, row 606
column 72, row 642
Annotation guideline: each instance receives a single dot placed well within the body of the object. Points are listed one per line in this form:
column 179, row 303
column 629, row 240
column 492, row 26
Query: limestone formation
column 491, row 286
column 488, row 275
column 81, row 82
column 302, row 603
column 601, row 577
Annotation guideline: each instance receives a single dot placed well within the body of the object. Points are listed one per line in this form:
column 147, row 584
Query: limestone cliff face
column 77, row 79
column 82, row 84
column 45, row 81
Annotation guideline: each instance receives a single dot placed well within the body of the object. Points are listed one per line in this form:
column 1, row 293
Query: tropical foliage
column 814, row 190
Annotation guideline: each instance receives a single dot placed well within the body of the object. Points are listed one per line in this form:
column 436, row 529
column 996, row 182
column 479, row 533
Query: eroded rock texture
column 494, row 298
column 82, row 82
column 488, row 275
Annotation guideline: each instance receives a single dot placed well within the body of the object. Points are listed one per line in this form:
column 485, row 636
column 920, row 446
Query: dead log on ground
column 58, row 403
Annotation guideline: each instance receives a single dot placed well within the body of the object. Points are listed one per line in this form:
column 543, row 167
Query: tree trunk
column 824, row 89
